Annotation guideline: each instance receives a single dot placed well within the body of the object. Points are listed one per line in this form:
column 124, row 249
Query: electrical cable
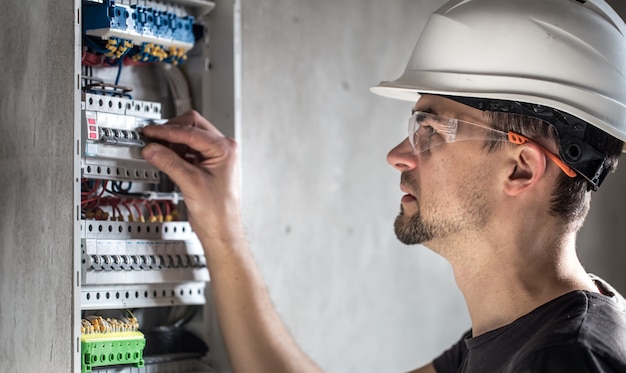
column 179, row 87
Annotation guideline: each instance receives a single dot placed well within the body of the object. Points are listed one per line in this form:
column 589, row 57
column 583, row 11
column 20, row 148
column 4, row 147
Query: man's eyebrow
column 427, row 109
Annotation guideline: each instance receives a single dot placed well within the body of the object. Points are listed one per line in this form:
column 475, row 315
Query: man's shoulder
column 568, row 358
column 577, row 332
column 581, row 331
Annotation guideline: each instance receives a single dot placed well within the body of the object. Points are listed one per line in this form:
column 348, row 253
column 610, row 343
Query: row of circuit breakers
column 136, row 250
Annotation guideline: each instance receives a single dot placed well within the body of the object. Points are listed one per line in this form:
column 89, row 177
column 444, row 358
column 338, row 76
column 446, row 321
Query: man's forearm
column 202, row 162
column 255, row 337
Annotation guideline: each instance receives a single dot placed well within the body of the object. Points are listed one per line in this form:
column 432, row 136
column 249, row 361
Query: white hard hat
column 568, row 55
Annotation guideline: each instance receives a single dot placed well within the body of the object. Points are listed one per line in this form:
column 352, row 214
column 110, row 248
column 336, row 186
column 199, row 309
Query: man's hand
column 203, row 163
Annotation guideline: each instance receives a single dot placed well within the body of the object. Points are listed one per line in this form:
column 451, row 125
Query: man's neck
column 502, row 283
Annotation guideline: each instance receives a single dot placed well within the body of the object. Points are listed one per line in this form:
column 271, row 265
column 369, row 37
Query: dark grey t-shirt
column 577, row 332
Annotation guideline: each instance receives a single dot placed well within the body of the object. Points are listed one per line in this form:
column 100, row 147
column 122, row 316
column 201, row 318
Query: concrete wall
column 601, row 241
column 319, row 197
column 37, row 100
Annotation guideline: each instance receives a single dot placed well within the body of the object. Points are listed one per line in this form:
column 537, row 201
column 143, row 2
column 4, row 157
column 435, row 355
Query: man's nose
column 401, row 157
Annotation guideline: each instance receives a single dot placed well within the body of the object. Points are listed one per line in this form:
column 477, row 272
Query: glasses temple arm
column 518, row 139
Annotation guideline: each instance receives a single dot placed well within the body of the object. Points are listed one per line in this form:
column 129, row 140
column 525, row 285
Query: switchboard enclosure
column 100, row 269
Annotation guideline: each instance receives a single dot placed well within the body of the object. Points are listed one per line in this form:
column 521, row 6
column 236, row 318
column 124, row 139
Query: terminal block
column 145, row 33
column 106, row 342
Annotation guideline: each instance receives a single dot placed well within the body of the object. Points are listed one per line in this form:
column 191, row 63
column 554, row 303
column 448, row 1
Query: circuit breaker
column 143, row 274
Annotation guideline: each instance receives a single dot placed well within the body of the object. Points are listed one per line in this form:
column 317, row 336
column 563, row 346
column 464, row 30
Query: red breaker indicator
column 92, row 127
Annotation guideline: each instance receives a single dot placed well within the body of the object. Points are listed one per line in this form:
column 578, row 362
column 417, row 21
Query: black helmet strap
column 572, row 133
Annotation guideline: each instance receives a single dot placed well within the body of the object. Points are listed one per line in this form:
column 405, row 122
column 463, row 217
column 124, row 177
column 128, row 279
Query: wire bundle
column 94, row 203
column 97, row 324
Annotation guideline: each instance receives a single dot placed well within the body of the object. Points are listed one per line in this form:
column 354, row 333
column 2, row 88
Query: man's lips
column 408, row 197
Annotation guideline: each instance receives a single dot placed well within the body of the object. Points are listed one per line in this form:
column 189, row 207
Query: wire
column 140, row 218
column 131, row 217
column 96, row 183
column 91, row 59
column 91, row 43
column 119, row 70
column 117, row 187
column 104, row 187
column 179, row 87
column 151, row 218
column 159, row 212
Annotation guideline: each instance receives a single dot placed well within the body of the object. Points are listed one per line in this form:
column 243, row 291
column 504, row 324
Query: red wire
column 130, row 213
column 158, row 208
column 137, row 208
column 93, row 190
column 104, row 187
column 92, row 59
column 147, row 203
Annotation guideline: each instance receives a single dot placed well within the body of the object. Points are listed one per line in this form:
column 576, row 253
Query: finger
column 194, row 119
column 191, row 119
column 169, row 162
column 207, row 144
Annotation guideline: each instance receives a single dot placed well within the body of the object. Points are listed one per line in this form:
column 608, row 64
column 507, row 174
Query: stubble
column 437, row 221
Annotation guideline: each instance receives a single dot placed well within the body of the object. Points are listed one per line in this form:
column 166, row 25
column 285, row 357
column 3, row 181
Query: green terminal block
column 116, row 348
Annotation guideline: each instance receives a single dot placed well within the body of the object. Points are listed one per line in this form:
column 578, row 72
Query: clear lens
column 428, row 130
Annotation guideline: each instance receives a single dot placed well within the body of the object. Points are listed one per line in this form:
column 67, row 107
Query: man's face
column 446, row 186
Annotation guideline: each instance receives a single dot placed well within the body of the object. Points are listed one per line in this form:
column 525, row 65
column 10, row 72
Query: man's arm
column 204, row 166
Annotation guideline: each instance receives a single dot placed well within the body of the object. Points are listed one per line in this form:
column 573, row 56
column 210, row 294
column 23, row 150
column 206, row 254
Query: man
column 519, row 115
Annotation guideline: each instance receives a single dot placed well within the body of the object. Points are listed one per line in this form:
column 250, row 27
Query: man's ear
column 526, row 169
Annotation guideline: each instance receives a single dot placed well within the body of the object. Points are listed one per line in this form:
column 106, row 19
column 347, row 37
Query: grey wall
column 601, row 241
column 37, row 97
column 319, row 197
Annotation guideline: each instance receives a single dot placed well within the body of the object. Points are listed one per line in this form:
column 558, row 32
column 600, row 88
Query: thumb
column 169, row 162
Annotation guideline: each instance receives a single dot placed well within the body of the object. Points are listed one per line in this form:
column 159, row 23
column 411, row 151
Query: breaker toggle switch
column 114, row 136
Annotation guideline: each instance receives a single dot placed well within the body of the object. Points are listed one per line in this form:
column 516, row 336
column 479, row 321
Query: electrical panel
column 143, row 274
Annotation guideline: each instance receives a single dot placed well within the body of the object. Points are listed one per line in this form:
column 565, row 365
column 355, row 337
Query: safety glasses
column 427, row 130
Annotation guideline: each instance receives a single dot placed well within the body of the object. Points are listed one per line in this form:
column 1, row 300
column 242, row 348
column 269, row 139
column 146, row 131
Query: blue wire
column 95, row 46
column 119, row 70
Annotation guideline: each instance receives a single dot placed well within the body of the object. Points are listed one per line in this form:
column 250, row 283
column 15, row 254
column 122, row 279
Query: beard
column 420, row 227
column 414, row 231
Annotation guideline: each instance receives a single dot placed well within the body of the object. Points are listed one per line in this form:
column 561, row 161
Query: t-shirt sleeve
column 451, row 360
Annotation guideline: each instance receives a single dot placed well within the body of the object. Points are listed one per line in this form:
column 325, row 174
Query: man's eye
column 428, row 131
